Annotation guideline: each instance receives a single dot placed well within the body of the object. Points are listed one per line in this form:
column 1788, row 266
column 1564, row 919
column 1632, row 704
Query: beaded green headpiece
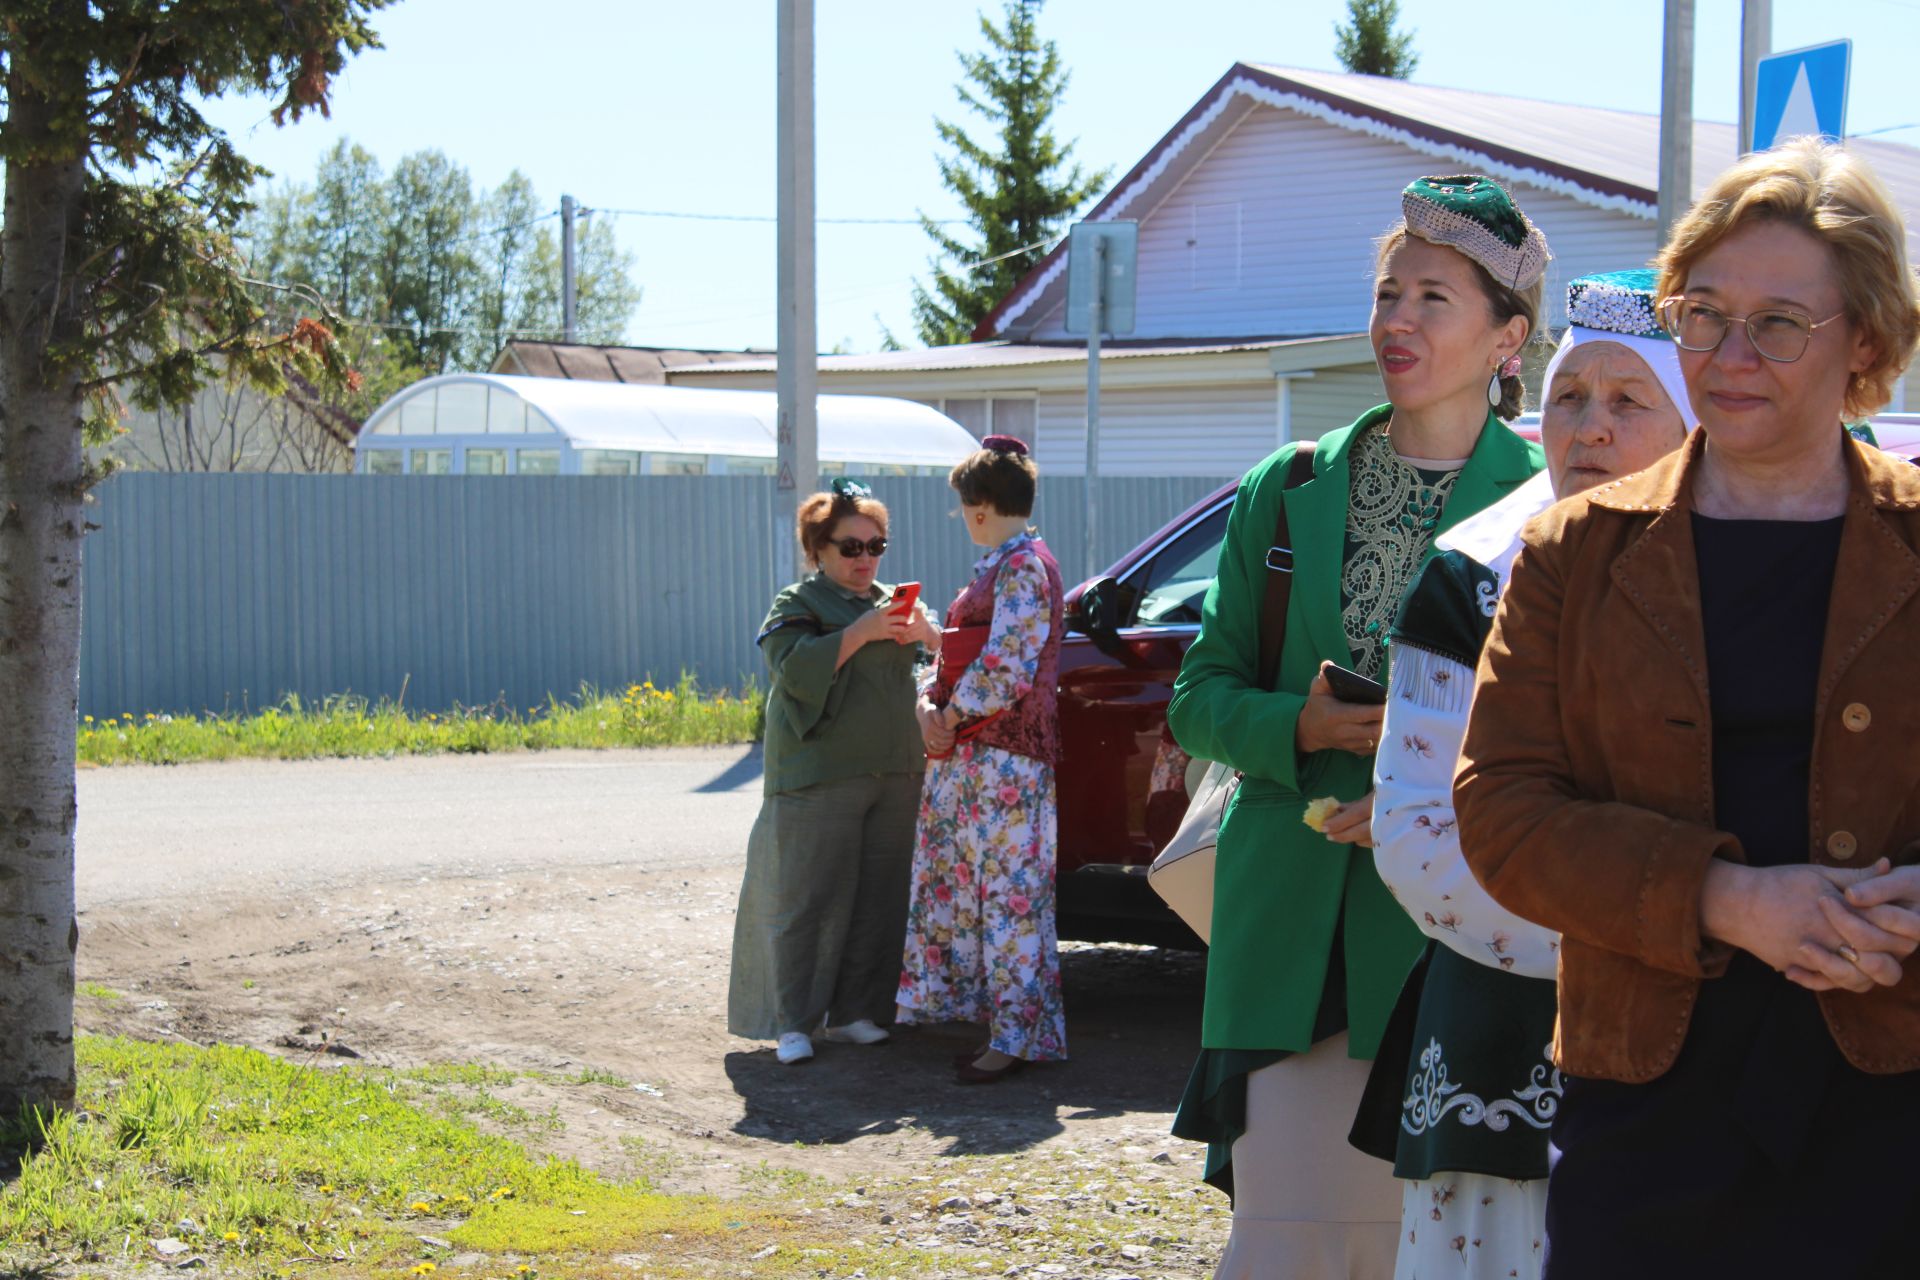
column 1616, row 302
column 1476, row 216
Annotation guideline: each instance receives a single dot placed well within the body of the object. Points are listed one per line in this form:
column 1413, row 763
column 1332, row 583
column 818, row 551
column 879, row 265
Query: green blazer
column 1280, row 887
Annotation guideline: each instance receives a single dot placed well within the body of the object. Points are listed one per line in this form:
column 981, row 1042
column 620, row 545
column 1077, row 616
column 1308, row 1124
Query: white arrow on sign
column 1799, row 117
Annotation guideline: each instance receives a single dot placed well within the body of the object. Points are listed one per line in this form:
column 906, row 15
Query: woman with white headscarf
column 1464, row 1088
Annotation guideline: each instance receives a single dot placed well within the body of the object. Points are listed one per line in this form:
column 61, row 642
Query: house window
column 971, row 414
column 537, row 462
column 1215, row 246
column 432, row 462
column 1014, row 418
column 385, row 462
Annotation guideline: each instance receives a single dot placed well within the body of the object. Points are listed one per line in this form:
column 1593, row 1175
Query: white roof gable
column 1599, row 159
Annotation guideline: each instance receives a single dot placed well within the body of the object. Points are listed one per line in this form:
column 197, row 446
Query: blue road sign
column 1801, row 91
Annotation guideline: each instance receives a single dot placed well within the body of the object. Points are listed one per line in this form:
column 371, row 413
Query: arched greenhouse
column 498, row 424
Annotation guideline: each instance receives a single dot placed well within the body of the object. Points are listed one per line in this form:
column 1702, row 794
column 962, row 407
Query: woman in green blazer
column 1308, row 949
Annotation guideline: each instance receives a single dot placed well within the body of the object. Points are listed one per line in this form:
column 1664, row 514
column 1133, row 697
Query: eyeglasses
column 1779, row 335
column 852, row 547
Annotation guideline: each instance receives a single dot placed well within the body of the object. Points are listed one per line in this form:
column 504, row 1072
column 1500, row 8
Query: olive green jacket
column 1279, row 887
column 825, row 721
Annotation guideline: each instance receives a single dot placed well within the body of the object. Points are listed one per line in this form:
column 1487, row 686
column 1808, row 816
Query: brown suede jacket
column 1585, row 788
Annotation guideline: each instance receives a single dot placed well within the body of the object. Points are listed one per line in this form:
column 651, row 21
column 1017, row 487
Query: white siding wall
column 1333, row 398
column 1272, row 233
column 1173, row 431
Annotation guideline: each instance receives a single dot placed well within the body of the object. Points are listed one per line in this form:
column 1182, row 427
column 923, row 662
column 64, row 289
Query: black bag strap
column 1279, row 593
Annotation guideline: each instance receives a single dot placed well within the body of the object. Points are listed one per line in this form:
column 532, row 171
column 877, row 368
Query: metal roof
column 1602, row 157
column 740, row 424
column 592, row 362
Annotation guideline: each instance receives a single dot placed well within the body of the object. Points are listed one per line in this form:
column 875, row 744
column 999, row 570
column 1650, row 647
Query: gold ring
column 1847, row 953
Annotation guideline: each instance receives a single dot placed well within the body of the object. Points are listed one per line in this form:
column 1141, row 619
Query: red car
column 1121, row 777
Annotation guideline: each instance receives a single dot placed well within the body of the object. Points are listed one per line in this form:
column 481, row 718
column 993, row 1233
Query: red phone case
column 905, row 596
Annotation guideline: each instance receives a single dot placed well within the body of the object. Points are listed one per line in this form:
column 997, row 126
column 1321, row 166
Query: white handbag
column 1183, row 873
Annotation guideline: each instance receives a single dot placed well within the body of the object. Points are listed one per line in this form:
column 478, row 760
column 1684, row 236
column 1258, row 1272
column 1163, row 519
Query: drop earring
column 1509, row 368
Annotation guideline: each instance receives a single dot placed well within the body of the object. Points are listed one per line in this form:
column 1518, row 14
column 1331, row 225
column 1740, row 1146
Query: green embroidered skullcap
column 1476, row 216
column 1616, row 302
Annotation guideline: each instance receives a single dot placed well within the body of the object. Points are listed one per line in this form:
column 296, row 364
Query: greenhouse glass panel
column 676, row 464
column 538, row 421
column 416, row 415
column 486, row 462
column 537, row 462
column 732, row 466
column 385, row 462
column 432, row 462
column 462, row 409
column 505, row 411
column 609, row 462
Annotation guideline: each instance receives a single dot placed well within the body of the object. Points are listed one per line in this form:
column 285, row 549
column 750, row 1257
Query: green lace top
column 1393, row 509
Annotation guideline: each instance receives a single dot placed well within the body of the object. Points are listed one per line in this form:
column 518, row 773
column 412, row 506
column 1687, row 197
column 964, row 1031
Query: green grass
column 639, row 716
column 262, row 1166
column 94, row 991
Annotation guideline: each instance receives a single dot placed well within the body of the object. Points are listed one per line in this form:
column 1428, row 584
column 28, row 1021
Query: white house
column 1257, row 213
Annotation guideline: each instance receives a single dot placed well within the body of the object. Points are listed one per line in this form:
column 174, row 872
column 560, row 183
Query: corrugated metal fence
column 226, row 592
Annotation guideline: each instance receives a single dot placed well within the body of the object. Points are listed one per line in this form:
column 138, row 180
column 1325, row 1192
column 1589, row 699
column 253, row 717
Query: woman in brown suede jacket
column 1695, row 751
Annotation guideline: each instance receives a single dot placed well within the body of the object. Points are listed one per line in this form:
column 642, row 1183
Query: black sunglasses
column 851, row 547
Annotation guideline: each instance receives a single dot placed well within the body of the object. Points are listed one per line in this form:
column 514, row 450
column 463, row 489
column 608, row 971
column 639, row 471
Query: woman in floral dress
column 980, row 943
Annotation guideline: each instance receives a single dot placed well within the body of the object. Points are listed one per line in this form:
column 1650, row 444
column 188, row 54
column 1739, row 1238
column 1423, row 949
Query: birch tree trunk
column 41, row 526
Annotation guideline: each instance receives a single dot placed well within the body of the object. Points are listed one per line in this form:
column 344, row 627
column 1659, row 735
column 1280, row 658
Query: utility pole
column 569, row 295
column 1096, row 321
column 796, row 381
column 1676, row 116
column 1756, row 42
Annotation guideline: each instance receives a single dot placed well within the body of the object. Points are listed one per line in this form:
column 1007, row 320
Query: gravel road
column 292, row 827
column 569, row 916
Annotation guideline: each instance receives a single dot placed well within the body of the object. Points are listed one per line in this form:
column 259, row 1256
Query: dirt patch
column 607, row 991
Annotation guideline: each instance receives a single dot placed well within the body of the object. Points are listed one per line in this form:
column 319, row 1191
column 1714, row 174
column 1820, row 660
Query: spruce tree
column 1368, row 45
column 1017, row 190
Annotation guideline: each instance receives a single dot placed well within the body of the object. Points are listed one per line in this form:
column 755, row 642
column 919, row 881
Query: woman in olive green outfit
column 824, row 903
column 1308, row 949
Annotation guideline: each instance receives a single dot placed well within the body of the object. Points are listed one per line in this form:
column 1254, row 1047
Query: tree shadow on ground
column 1133, row 1029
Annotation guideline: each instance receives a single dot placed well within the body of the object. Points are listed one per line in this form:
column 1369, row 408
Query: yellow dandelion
column 419, row 1206
column 522, row 1269
column 88, row 719
column 425, row 1269
column 502, row 1192
column 231, row 1235
column 326, row 1187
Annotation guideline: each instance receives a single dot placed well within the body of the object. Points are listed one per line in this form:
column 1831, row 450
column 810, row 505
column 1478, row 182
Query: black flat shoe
column 967, row 1073
column 965, row 1057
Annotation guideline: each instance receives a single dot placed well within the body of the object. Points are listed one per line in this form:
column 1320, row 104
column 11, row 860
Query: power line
column 767, row 217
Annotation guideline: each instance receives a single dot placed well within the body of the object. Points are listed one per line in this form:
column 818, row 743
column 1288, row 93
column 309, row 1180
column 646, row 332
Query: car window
column 1171, row 585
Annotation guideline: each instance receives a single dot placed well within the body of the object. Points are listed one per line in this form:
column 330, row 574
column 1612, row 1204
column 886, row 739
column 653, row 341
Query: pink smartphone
column 905, row 596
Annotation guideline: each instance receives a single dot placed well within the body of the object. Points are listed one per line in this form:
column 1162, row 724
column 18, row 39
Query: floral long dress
column 980, row 944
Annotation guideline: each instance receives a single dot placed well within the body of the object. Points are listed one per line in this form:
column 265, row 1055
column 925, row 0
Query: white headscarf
column 1659, row 354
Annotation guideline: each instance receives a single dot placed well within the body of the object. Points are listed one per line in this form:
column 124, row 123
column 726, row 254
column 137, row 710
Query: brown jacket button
column 1842, row 845
column 1856, row 717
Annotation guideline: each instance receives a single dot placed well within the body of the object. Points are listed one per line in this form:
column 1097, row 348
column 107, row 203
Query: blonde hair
column 1502, row 303
column 1836, row 197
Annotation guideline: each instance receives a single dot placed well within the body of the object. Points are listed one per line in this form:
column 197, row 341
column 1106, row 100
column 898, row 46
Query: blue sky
column 636, row 104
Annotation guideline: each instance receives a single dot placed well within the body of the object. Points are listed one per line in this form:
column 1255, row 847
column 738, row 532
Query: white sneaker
column 862, row 1032
column 794, row 1046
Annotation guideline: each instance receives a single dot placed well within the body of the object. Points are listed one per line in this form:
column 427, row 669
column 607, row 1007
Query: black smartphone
column 1351, row 686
